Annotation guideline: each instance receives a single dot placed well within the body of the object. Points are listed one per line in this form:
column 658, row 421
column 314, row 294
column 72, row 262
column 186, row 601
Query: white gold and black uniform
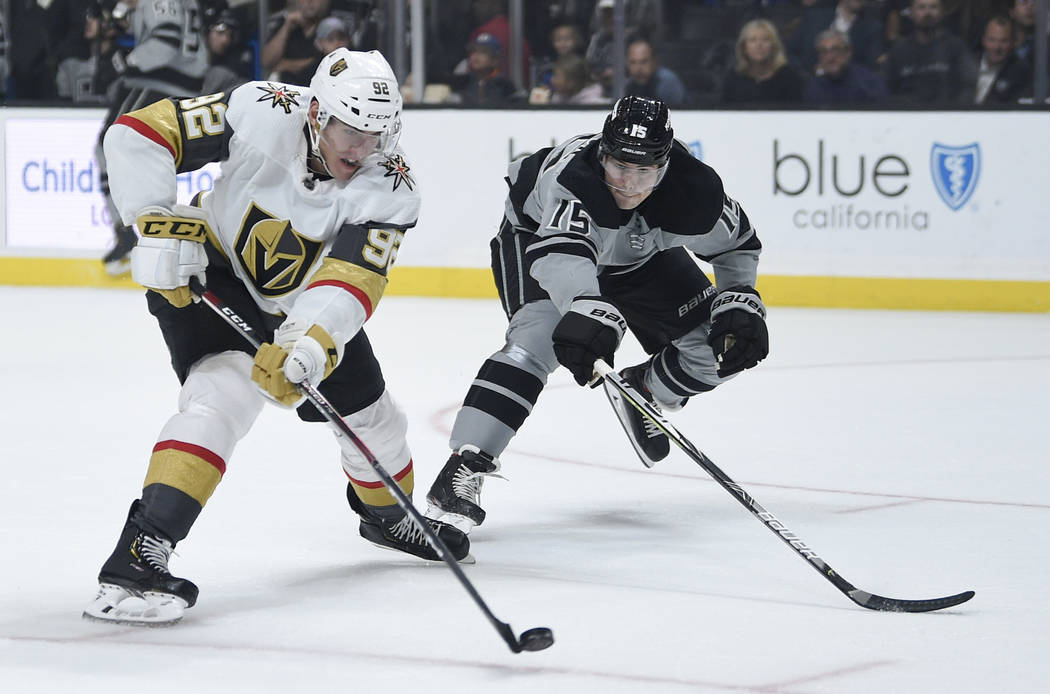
column 563, row 237
column 601, row 234
column 296, row 238
column 283, row 241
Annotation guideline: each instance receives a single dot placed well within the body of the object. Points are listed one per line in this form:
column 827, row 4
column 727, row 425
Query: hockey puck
column 536, row 639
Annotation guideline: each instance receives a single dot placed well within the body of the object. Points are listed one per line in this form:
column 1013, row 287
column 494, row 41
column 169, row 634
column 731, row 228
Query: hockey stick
column 535, row 639
column 861, row 597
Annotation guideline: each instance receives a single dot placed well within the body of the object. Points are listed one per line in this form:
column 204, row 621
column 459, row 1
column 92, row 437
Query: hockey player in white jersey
column 599, row 236
column 297, row 237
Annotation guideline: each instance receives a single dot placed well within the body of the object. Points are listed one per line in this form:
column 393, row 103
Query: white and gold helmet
column 360, row 90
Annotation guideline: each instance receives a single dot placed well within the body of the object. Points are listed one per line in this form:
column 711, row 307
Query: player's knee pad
column 525, row 359
column 217, row 405
column 383, row 428
column 529, row 342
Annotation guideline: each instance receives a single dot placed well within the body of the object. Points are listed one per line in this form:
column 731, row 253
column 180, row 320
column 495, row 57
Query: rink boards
column 923, row 210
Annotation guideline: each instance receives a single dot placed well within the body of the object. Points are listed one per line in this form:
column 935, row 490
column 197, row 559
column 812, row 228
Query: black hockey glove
column 738, row 336
column 590, row 330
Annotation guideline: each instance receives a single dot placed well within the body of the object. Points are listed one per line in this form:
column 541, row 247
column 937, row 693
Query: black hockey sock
column 167, row 511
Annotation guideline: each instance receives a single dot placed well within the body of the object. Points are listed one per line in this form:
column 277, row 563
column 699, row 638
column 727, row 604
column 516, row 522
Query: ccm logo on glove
column 173, row 228
column 171, row 251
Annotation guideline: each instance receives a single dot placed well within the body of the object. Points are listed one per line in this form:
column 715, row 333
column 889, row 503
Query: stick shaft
column 335, row 421
column 774, row 524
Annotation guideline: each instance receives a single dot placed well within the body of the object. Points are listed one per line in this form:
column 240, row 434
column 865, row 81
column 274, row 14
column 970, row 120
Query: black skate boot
column 455, row 496
column 118, row 259
column 651, row 444
column 135, row 586
column 402, row 534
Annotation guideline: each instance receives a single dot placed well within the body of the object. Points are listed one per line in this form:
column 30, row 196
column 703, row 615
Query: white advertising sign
column 924, row 194
column 849, row 194
column 53, row 196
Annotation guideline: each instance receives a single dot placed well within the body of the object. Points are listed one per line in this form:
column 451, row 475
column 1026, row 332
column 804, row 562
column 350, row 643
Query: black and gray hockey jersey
column 170, row 55
column 558, row 196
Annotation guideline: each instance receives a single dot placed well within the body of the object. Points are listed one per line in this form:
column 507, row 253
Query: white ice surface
column 908, row 449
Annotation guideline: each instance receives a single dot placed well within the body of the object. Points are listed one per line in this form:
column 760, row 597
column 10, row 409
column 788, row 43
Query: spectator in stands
column 599, row 52
column 291, row 52
column 641, row 17
column 645, row 77
column 565, row 39
column 896, row 20
column 644, row 17
column 1002, row 76
column 838, row 80
column 974, row 15
column 483, row 85
column 86, row 80
column 965, row 18
column 229, row 61
column 31, row 61
column 932, row 65
column 846, row 16
column 332, row 33
column 491, row 19
column 761, row 73
column 572, row 83
column 1023, row 14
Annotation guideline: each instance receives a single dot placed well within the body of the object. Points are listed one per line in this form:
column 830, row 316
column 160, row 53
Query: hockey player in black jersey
column 599, row 236
column 169, row 59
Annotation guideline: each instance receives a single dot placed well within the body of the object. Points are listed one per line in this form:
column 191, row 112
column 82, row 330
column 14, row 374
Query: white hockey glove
column 298, row 354
column 170, row 250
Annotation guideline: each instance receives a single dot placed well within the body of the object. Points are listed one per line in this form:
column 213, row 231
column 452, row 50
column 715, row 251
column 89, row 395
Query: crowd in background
column 700, row 53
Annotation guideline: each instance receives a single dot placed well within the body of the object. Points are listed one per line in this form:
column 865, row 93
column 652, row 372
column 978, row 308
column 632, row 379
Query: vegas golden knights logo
column 274, row 255
column 337, row 67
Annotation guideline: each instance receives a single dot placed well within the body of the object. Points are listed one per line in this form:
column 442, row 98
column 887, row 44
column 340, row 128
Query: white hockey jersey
column 285, row 233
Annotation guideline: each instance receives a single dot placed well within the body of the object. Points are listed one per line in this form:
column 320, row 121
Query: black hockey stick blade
column 882, row 604
column 619, row 404
column 535, row 639
column 789, row 537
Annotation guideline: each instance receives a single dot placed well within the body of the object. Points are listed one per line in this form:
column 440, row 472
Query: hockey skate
column 649, row 442
column 118, row 260
column 455, row 496
column 135, row 586
column 404, row 535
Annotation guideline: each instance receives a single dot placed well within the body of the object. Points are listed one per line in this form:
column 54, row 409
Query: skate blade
column 458, row 521
column 87, row 616
column 117, row 605
column 469, row 559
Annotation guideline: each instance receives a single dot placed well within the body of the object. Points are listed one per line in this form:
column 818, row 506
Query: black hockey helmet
column 638, row 131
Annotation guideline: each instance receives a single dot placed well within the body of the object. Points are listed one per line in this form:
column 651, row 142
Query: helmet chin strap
column 314, row 132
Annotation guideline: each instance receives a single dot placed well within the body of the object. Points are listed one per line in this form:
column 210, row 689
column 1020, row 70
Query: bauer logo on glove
column 739, row 337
